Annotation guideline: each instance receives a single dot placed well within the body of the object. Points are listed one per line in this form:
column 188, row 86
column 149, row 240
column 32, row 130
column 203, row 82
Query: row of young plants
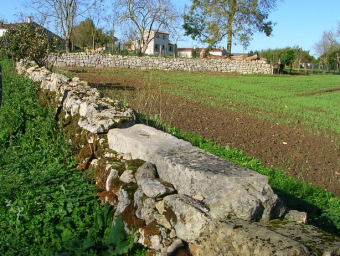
column 47, row 206
column 322, row 206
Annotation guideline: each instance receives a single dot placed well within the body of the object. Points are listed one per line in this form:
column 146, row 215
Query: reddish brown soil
column 305, row 156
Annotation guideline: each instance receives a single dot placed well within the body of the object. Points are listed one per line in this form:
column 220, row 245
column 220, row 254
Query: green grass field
column 312, row 101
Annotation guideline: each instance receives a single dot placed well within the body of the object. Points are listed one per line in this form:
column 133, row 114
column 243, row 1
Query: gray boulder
column 188, row 217
column 154, row 188
column 147, row 170
column 228, row 189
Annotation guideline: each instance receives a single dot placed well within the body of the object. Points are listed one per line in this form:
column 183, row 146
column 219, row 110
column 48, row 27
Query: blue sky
column 299, row 22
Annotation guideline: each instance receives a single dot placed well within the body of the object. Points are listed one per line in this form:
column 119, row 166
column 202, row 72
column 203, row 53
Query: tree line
column 81, row 24
column 209, row 21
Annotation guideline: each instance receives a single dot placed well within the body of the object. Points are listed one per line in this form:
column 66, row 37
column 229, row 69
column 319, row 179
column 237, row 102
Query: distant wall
column 111, row 61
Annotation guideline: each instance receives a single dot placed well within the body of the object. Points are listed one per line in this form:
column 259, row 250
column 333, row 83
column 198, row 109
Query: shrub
column 28, row 41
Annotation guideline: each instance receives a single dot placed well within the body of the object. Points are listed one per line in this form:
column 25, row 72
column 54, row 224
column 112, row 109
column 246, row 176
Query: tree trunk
column 233, row 5
column 175, row 51
column 67, row 44
column 230, row 34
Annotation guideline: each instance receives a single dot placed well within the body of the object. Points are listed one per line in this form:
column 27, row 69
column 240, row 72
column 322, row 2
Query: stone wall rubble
column 171, row 192
column 118, row 61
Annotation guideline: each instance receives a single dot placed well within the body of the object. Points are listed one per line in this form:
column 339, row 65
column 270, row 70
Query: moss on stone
column 134, row 164
column 170, row 215
column 132, row 221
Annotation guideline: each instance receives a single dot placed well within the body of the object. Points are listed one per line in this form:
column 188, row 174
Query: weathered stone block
column 228, row 189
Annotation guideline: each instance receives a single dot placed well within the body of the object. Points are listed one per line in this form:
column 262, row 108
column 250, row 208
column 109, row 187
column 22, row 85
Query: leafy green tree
column 87, row 35
column 287, row 57
column 28, row 41
column 212, row 20
column 83, row 34
column 104, row 37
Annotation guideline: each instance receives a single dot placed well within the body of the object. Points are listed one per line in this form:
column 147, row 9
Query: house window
column 156, row 47
column 171, row 48
column 164, row 36
column 157, row 35
column 163, row 48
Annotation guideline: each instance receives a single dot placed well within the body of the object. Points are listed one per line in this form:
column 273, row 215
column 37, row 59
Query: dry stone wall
column 172, row 193
column 117, row 61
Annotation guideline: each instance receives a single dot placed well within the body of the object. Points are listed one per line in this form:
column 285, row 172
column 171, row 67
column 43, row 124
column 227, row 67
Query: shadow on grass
column 314, row 213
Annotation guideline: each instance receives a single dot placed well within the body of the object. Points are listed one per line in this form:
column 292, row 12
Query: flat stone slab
column 228, row 190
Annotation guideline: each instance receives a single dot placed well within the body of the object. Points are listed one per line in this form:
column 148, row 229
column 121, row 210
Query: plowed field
column 302, row 154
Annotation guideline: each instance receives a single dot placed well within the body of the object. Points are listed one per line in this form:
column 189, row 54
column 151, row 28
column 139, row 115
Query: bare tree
column 328, row 49
column 143, row 16
column 330, row 41
column 63, row 13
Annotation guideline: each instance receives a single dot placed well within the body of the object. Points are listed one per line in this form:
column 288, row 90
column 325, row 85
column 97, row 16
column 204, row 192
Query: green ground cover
column 308, row 100
column 47, row 206
column 312, row 101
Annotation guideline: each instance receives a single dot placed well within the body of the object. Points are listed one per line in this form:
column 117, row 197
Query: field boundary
column 145, row 63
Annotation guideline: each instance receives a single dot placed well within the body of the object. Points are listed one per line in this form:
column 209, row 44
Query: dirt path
column 304, row 156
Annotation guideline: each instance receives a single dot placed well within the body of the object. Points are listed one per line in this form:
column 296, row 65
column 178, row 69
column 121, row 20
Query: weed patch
column 47, row 206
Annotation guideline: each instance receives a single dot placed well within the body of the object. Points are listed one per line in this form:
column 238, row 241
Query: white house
column 160, row 43
column 3, row 28
column 184, row 52
column 187, row 52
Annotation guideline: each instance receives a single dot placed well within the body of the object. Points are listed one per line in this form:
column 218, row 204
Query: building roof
column 29, row 22
column 189, row 49
column 160, row 32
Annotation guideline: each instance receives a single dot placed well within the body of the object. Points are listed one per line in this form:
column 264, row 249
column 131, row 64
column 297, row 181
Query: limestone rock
column 138, row 204
column 99, row 117
column 155, row 188
column 71, row 102
column 189, row 168
column 148, row 210
column 150, row 236
column 297, row 216
column 124, row 201
column 160, row 218
column 127, row 176
column 113, row 174
column 186, row 216
column 147, row 170
column 239, row 237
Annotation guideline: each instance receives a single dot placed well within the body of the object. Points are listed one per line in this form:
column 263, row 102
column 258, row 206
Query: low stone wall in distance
column 118, row 61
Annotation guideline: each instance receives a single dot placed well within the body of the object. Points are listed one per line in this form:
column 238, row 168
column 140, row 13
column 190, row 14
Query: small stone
column 113, row 174
column 198, row 197
column 154, row 188
column 147, row 170
column 172, row 233
column 127, row 176
column 297, row 216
